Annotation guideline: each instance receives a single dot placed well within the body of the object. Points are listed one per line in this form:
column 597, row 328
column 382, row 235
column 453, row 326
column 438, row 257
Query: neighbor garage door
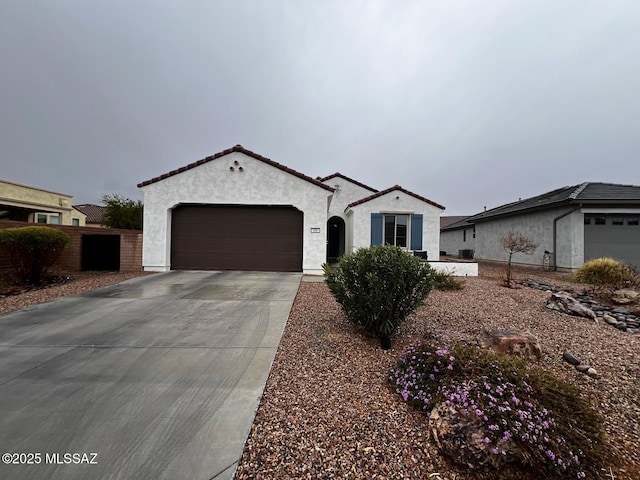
column 229, row 237
column 616, row 236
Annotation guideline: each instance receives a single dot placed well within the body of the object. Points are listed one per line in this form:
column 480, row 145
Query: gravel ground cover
column 327, row 412
column 79, row 282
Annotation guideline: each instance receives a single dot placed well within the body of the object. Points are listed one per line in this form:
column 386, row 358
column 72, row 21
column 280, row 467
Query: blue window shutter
column 416, row 231
column 376, row 229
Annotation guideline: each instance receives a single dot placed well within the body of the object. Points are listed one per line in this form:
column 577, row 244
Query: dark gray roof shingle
column 589, row 193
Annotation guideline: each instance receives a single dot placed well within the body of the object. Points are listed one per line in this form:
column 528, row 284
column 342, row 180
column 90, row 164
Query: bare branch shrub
column 516, row 242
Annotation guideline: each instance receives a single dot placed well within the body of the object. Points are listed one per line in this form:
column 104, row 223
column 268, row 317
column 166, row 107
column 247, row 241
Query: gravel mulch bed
column 328, row 413
column 79, row 282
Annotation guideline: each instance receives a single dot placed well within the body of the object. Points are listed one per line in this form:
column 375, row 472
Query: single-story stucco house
column 573, row 224
column 237, row 210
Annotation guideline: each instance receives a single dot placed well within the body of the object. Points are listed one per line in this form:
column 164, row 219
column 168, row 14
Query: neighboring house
column 237, row 210
column 447, row 220
column 457, row 237
column 35, row 205
column 94, row 214
column 574, row 224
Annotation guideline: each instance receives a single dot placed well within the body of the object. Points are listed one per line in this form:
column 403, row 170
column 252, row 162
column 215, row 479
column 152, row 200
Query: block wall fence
column 71, row 258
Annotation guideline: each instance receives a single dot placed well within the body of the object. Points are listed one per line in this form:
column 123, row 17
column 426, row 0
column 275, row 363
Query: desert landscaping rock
column 565, row 303
column 459, row 435
column 623, row 318
column 79, row 282
column 570, row 358
column 513, row 342
column 625, row 296
column 328, row 413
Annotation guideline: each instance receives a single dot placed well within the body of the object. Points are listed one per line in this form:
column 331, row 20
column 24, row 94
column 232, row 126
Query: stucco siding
column 397, row 202
column 569, row 240
column 539, row 227
column 452, row 241
column 346, row 193
column 40, row 201
column 251, row 182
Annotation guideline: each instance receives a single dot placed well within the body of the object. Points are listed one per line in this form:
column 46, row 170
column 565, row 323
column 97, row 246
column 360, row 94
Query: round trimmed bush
column 33, row 250
column 379, row 287
column 606, row 273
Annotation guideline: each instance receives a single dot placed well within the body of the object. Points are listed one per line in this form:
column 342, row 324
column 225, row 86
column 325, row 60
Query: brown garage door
column 230, row 237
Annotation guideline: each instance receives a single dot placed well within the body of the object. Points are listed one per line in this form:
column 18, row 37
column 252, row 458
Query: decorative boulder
column 625, row 296
column 513, row 342
column 565, row 303
column 460, row 435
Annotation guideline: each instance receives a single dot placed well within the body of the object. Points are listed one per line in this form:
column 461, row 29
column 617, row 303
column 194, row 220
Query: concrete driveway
column 159, row 376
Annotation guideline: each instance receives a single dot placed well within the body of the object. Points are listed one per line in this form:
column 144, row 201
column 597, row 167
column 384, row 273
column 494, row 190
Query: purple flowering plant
column 551, row 423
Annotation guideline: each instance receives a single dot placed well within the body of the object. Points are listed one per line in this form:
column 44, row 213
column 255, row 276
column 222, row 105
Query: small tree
column 516, row 242
column 379, row 287
column 122, row 212
column 33, row 250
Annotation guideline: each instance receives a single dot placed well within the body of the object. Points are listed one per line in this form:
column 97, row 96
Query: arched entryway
column 335, row 238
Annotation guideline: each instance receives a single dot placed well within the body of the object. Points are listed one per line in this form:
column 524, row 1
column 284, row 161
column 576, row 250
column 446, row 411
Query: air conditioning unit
column 466, row 253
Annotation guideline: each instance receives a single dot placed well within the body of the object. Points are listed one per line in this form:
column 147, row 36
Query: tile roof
column 240, row 149
column 392, row 189
column 588, row 193
column 338, row 174
column 93, row 212
column 453, row 222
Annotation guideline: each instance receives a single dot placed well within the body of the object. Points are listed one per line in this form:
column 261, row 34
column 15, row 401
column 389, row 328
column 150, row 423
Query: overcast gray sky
column 469, row 103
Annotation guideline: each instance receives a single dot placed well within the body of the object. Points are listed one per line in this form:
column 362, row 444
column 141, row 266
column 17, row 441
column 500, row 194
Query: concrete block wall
column 71, row 258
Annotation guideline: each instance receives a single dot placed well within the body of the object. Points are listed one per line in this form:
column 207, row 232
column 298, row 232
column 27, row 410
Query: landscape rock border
column 621, row 318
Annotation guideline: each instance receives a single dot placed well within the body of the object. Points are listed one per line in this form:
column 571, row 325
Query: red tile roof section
column 93, row 212
column 338, row 174
column 240, row 149
column 392, row 189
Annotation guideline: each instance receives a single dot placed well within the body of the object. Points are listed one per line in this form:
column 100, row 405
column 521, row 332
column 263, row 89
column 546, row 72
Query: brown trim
column 394, row 189
column 355, row 182
column 240, row 149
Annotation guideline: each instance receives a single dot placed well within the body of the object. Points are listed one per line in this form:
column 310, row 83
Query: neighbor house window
column 54, row 219
column 632, row 221
column 75, row 222
column 617, row 221
column 42, row 218
column 396, row 228
column 464, row 235
column 601, row 221
column 474, row 232
column 587, row 220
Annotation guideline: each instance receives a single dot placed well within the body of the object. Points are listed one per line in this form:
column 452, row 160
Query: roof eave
column 239, row 149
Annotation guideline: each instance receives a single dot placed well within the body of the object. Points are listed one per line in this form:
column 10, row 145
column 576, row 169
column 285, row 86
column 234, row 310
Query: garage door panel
column 621, row 242
column 216, row 237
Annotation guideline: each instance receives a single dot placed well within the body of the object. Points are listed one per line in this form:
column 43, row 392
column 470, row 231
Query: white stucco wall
column 346, row 193
column 452, row 241
column 539, row 227
column 398, row 203
column 462, row 269
column 213, row 182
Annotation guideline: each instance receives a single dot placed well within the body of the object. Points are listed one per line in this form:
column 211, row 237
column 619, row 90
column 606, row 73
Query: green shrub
column 606, row 273
column 379, row 287
column 445, row 281
column 33, row 250
column 556, row 428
